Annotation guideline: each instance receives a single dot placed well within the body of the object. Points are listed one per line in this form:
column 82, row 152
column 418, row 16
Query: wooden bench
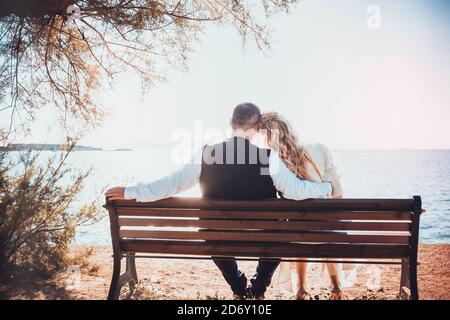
column 356, row 230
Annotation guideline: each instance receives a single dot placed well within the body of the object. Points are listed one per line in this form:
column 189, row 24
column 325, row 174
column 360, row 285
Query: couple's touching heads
column 237, row 169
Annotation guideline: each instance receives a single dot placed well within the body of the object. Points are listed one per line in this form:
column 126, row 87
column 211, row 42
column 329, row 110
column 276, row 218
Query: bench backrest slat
column 304, row 237
column 260, row 249
column 274, row 204
column 270, row 215
column 291, row 225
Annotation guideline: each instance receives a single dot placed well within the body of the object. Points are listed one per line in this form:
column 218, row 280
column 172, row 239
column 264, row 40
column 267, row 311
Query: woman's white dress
column 324, row 162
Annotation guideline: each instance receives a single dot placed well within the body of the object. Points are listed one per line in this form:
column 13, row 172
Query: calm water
column 365, row 174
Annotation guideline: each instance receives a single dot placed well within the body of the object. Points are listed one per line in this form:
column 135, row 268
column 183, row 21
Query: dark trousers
column 237, row 280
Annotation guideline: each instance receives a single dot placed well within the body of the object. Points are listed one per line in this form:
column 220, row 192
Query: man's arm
column 177, row 182
column 292, row 187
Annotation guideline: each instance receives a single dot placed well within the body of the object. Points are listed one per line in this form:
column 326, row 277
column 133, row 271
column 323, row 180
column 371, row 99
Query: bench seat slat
column 267, row 236
column 261, row 249
column 266, row 225
column 267, row 215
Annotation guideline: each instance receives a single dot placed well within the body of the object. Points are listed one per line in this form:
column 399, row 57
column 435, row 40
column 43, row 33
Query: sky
column 339, row 81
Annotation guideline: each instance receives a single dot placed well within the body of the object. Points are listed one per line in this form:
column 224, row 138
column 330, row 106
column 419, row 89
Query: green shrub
column 37, row 214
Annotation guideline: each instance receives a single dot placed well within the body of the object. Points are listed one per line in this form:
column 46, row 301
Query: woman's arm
column 331, row 173
column 293, row 188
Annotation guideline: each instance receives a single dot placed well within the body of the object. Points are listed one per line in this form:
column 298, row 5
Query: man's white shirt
column 284, row 180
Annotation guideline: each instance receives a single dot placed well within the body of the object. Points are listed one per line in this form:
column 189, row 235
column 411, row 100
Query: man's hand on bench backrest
column 116, row 193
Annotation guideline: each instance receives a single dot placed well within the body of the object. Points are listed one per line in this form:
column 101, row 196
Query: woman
column 309, row 162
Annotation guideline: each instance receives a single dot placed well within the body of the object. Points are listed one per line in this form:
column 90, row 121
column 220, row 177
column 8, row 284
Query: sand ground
column 192, row 279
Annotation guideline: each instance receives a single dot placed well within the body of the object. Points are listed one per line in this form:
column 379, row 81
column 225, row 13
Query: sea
column 400, row 173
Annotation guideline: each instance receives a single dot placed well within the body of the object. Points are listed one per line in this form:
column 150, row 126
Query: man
column 237, row 170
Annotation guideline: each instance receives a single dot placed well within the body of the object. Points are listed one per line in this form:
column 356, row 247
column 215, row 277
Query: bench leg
column 114, row 289
column 413, row 279
column 131, row 267
column 405, row 286
column 128, row 277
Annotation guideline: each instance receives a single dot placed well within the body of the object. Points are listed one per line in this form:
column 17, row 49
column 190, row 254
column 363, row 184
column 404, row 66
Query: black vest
column 236, row 170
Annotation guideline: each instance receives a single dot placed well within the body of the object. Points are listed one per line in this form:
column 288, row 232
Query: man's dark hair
column 245, row 116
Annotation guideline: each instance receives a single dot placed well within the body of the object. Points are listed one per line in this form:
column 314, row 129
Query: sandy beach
column 187, row 279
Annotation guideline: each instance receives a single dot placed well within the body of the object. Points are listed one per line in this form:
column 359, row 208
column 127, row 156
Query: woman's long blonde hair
column 280, row 137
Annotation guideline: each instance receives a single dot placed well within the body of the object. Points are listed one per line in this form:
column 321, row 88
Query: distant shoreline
column 53, row 147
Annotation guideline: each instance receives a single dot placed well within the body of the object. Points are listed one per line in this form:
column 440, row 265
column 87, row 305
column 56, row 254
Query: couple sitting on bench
column 239, row 170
